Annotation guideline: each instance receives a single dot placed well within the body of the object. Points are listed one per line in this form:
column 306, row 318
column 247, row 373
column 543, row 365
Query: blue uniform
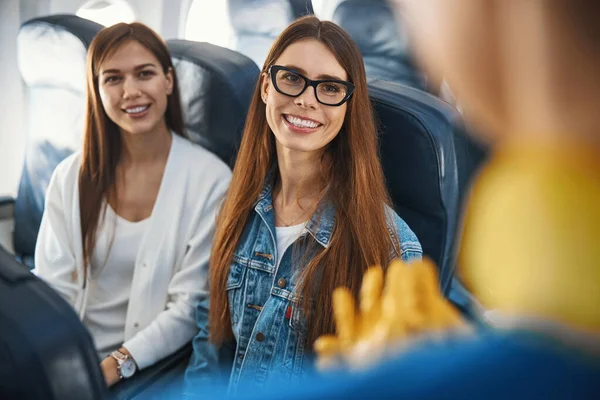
column 517, row 364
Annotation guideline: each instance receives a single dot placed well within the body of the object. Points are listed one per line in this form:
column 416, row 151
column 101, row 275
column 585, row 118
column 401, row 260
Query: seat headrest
column 216, row 87
column 51, row 56
column 419, row 163
column 61, row 363
column 383, row 43
column 300, row 8
column 51, row 51
column 256, row 24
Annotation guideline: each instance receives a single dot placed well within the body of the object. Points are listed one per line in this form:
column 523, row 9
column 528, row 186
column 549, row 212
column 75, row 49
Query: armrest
column 160, row 375
column 7, row 207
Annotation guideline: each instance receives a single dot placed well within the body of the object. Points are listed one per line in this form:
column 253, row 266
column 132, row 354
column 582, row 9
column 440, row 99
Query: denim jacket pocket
column 296, row 341
column 235, row 280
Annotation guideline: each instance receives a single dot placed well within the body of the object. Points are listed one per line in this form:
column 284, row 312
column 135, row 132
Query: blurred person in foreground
column 526, row 73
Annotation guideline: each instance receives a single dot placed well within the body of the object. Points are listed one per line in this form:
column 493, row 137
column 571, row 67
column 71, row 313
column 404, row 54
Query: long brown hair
column 357, row 190
column 102, row 143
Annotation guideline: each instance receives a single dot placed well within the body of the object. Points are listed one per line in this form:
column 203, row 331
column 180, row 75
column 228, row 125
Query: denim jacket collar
column 320, row 226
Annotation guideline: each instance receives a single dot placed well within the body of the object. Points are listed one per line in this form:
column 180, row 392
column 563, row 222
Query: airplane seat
column 301, row 8
column 470, row 156
column 420, row 166
column 257, row 23
column 45, row 351
column 51, row 59
column 383, row 42
column 216, row 86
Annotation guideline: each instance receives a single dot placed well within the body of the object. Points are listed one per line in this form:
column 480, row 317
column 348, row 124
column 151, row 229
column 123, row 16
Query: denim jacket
column 268, row 326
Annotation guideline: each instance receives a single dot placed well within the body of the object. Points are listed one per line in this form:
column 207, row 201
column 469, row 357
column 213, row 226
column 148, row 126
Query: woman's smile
column 299, row 124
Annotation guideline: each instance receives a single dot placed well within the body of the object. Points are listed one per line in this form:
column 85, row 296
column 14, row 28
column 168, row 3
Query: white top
column 112, row 265
column 286, row 235
column 170, row 277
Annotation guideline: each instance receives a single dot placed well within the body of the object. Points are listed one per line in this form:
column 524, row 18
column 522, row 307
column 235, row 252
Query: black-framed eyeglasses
column 330, row 92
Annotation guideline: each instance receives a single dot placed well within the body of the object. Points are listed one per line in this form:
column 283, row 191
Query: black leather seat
column 470, row 155
column 257, row 23
column 383, row 42
column 51, row 55
column 45, row 352
column 216, row 87
column 420, row 166
column 301, row 8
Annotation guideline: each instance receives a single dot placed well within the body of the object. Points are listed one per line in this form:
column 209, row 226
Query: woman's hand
column 409, row 305
column 109, row 368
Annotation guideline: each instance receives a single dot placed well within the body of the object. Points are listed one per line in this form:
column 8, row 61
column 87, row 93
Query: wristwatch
column 126, row 366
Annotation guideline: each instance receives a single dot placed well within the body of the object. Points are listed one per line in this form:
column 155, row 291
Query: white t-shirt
column 112, row 267
column 286, row 235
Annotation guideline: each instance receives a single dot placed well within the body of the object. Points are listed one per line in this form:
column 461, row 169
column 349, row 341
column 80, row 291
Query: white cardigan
column 171, row 271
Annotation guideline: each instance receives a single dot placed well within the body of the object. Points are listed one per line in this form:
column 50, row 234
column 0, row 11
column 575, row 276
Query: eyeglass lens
column 326, row 92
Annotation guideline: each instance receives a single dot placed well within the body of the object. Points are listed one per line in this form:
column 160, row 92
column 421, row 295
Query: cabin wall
column 12, row 97
column 65, row 6
column 161, row 15
column 173, row 18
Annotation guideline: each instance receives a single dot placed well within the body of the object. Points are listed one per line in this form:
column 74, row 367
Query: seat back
column 383, row 42
column 420, row 166
column 301, row 8
column 45, row 351
column 51, row 56
column 216, row 87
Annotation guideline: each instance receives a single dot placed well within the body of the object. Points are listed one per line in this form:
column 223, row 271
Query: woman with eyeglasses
column 307, row 210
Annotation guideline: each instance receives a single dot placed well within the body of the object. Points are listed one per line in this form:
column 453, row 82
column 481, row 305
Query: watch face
column 128, row 368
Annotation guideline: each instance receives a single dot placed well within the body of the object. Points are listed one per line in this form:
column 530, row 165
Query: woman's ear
column 264, row 86
column 170, row 80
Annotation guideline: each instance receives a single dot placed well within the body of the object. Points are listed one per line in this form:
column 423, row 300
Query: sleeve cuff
column 141, row 350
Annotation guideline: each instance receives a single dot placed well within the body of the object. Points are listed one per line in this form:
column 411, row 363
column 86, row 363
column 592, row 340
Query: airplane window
column 107, row 12
column 317, row 6
column 208, row 21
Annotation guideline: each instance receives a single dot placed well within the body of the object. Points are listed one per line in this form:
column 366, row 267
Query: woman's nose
column 130, row 88
column 307, row 99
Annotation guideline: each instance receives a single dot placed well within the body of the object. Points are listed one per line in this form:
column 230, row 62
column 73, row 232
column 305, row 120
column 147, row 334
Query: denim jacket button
column 281, row 283
column 260, row 336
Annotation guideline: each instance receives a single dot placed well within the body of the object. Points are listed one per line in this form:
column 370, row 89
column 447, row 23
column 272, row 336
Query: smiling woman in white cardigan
column 128, row 223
